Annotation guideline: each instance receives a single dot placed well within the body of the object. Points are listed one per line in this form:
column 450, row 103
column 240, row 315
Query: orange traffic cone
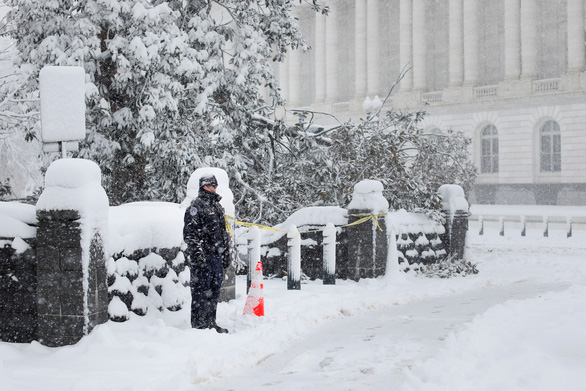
column 255, row 303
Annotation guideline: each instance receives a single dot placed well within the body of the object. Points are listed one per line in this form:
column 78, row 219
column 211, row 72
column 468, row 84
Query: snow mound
column 143, row 225
column 368, row 195
column 453, row 198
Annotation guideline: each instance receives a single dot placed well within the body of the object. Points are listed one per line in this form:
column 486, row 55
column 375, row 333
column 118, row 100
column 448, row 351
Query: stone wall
column 18, row 290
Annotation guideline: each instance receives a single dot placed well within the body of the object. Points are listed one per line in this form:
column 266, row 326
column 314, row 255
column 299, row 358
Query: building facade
column 510, row 74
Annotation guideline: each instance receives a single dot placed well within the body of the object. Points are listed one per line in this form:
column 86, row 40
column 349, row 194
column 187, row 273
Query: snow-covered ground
column 517, row 325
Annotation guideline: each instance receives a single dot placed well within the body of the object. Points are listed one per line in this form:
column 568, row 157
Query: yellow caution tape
column 363, row 219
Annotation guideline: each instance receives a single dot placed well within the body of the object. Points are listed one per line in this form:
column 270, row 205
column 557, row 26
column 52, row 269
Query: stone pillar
column 360, row 49
column 455, row 211
column 512, row 40
column 295, row 82
column 284, row 78
column 470, row 42
column 367, row 241
column 576, row 53
column 372, row 48
column 332, row 61
column 72, row 215
column 456, row 43
column 406, row 42
column 320, row 57
column 419, row 46
column 529, row 39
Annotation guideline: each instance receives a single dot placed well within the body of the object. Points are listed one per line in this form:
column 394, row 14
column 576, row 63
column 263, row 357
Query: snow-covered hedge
column 418, row 238
column 147, row 270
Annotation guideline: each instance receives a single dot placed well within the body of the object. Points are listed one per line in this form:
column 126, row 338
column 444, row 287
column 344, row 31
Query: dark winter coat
column 204, row 229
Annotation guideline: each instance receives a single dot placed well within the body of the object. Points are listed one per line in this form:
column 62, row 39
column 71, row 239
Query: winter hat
column 207, row 180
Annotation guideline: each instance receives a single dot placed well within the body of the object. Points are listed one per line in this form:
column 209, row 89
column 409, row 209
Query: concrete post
column 329, row 254
column 293, row 259
column 72, row 215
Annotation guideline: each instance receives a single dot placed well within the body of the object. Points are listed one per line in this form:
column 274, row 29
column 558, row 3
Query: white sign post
column 62, row 108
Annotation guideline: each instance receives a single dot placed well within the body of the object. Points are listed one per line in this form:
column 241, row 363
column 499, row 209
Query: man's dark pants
column 206, row 281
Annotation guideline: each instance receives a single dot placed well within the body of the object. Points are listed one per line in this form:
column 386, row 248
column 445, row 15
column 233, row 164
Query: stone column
column 575, row 36
column 320, row 57
column 529, row 39
column 372, row 45
column 419, row 46
column 284, row 78
column 406, row 42
column 367, row 241
column 72, row 215
column 331, row 70
column 470, row 42
column 360, row 50
column 295, row 81
column 456, row 43
column 512, row 40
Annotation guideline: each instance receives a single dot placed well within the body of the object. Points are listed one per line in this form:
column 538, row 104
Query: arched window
column 551, row 147
column 489, row 162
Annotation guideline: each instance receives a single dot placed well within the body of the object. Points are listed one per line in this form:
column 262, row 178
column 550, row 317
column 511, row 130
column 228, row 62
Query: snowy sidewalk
column 504, row 332
column 369, row 351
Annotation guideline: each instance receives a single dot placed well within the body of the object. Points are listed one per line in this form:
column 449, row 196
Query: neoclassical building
column 508, row 73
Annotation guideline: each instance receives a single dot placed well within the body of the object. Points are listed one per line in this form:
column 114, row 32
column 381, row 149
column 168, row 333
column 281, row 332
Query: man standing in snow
column 208, row 246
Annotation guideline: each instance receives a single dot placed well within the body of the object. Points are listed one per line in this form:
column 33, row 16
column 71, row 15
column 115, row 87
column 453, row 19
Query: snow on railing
column 502, row 221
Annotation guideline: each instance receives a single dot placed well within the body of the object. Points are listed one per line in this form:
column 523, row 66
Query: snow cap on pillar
column 453, row 198
column 368, row 195
column 74, row 184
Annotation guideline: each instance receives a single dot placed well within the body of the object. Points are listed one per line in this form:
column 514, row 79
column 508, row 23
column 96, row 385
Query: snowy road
column 371, row 350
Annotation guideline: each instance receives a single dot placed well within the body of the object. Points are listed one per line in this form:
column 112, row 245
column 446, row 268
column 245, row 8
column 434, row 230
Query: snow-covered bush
column 171, row 86
column 449, row 267
column 147, row 270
